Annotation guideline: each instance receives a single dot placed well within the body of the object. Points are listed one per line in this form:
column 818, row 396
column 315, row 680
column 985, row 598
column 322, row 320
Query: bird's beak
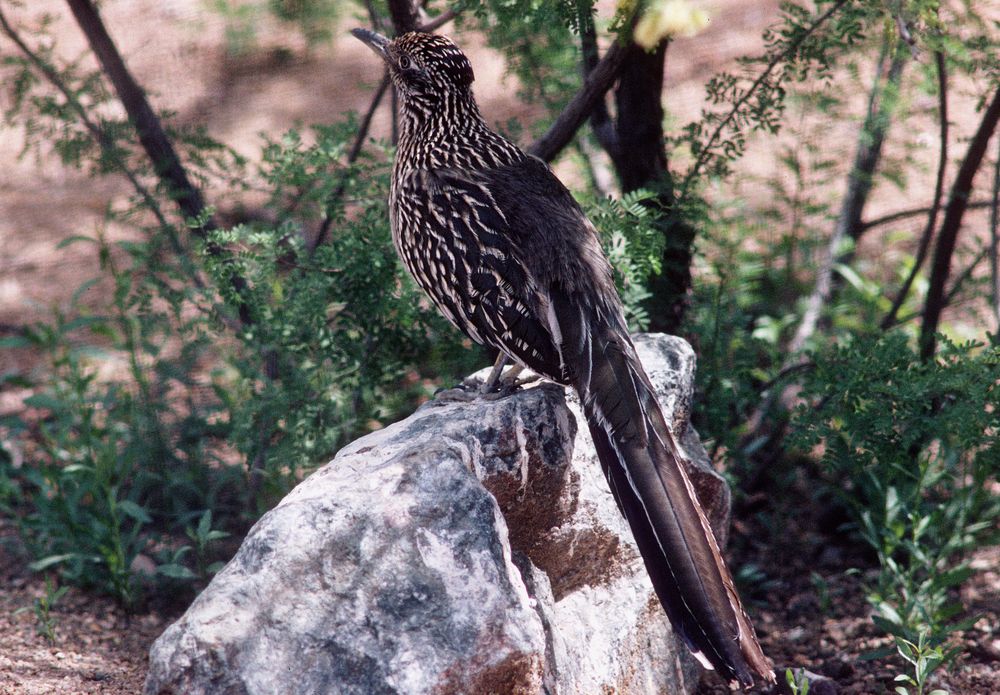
column 376, row 42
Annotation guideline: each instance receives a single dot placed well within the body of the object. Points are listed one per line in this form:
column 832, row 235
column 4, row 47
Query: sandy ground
column 97, row 648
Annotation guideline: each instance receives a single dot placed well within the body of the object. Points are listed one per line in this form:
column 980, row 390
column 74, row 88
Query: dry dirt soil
column 176, row 48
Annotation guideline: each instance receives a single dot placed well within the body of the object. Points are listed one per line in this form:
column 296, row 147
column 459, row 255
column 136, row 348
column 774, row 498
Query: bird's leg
column 467, row 391
column 494, row 375
column 498, row 384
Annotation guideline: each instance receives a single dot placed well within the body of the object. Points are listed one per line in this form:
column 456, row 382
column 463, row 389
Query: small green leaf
column 135, row 511
column 175, row 571
column 875, row 654
column 51, row 561
column 46, row 401
column 76, row 238
column 205, row 524
column 15, row 341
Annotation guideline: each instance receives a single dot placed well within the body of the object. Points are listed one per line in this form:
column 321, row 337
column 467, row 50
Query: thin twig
column 916, row 212
column 965, row 275
column 928, row 233
column 772, row 64
column 352, row 157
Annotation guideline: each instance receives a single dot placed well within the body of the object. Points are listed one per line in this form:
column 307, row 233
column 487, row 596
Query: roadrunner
column 506, row 253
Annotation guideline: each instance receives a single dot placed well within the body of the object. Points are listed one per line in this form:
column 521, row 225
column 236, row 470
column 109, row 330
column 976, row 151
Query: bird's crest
column 431, row 56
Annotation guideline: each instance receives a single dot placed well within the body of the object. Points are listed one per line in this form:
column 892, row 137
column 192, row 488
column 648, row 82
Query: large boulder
column 471, row 548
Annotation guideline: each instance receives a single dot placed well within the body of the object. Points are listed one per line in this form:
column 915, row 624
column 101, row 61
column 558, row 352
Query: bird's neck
column 451, row 132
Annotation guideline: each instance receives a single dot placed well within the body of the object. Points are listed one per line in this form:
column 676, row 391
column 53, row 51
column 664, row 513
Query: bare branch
column 600, row 119
column 916, row 212
column 867, row 156
column 435, row 23
column 352, row 157
column 595, row 86
column 958, row 201
column 151, row 134
column 153, row 138
column 928, row 233
column 964, row 276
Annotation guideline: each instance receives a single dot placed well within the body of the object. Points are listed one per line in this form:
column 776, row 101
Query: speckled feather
column 506, row 253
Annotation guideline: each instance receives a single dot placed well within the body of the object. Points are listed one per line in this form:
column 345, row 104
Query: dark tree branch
column 964, row 276
column 595, row 86
column 639, row 154
column 995, row 239
column 435, row 23
column 948, row 236
column 916, row 212
column 153, row 138
column 600, row 119
column 404, row 16
column 151, row 134
column 928, row 233
column 640, row 159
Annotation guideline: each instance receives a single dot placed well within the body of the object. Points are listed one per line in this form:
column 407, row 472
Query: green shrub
column 912, row 452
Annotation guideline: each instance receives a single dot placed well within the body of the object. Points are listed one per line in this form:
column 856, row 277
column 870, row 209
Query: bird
column 506, row 253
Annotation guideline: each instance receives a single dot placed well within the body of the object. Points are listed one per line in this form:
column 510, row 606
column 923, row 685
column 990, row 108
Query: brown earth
column 98, row 648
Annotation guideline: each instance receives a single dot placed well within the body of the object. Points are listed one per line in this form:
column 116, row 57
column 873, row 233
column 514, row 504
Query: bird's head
column 424, row 67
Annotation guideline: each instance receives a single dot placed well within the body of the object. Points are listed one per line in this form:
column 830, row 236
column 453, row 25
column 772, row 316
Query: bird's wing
column 468, row 264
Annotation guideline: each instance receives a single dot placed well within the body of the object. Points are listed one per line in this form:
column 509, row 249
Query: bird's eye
column 404, row 62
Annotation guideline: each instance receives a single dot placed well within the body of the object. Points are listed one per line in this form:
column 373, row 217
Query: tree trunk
column 958, row 201
column 640, row 161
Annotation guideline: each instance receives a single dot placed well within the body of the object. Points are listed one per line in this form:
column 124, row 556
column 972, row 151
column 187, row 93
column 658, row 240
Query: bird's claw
column 475, row 389
column 462, row 393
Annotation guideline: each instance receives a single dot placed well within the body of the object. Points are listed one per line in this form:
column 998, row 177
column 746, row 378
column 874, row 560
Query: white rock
column 393, row 569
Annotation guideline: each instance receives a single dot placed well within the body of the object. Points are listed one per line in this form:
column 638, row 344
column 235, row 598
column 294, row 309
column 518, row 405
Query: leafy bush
column 911, row 449
column 154, row 415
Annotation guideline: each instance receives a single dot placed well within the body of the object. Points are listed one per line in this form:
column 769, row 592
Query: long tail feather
column 645, row 469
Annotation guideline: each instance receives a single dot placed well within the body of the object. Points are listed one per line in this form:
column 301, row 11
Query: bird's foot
column 474, row 389
column 506, row 385
column 462, row 393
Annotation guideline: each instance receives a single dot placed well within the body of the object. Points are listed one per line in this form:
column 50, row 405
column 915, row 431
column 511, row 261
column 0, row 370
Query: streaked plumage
column 506, row 253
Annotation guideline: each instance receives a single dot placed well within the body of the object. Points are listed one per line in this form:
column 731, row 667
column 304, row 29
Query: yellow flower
column 668, row 18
